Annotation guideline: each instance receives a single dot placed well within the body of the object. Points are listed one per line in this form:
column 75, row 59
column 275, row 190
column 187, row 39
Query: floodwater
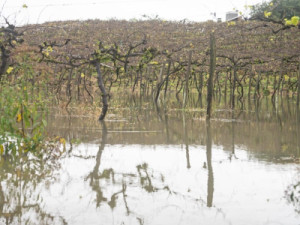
column 144, row 166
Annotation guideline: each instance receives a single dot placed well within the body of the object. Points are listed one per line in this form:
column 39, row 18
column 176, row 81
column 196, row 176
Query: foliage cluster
column 277, row 9
column 21, row 122
column 22, row 112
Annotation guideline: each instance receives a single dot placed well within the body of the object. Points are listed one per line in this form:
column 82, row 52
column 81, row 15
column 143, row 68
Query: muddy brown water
column 147, row 167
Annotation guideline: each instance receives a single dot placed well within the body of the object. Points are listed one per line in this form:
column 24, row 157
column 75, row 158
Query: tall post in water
column 187, row 77
column 212, row 68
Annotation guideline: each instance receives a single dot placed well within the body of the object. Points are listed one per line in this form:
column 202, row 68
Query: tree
column 284, row 12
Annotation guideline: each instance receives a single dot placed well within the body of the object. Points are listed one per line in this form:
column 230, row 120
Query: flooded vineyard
column 151, row 121
column 148, row 166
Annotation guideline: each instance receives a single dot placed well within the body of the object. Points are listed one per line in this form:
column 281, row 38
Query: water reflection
column 95, row 176
column 292, row 193
column 210, row 181
column 144, row 176
column 270, row 135
column 145, row 166
column 186, row 141
column 21, row 181
column 298, row 132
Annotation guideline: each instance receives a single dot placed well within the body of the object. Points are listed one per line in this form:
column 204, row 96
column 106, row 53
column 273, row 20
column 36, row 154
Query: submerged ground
column 149, row 166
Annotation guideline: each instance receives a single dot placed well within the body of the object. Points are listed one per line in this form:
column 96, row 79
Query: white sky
column 39, row 11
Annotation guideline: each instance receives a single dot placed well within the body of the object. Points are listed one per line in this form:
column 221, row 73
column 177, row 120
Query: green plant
column 22, row 123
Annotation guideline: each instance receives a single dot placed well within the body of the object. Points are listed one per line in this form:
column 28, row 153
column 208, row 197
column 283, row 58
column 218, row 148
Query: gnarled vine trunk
column 102, row 89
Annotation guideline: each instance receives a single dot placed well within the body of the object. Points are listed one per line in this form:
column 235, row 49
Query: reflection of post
column 101, row 148
column 249, row 106
column 186, row 141
column 19, row 210
column 210, row 182
column 257, row 109
column 19, row 200
column 298, row 131
column 267, row 103
column 167, row 127
column 289, row 108
column 2, row 201
column 298, row 88
column 69, row 135
column 124, row 197
column 94, row 175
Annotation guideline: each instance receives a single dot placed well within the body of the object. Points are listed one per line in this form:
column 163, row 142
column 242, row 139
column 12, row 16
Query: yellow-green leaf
column 288, row 22
column 9, row 70
column 295, row 20
column 284, row 147
column 1, row 149
column 49, row 49
column 232, row 23
column 267, row 14
column 19, row 117
column 62, row 141
column 286, row 77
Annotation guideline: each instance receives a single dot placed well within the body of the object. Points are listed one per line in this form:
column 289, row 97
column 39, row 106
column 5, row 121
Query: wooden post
column 280, row 80
column 159, row 83
column 274, row 86
column 258, row 85
column 298, row 88
column 268, row 81
column 249, row 88
column 201, row 88
column 141, row 83
column 187, row 77
column 225, row 88
column 167, row 80
column 68, row 90
column 212, row 68
column 201, row 84
column 233, row 87
column 102, row 89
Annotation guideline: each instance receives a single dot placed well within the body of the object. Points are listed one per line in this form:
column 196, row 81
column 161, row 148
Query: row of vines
column 82, row 60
